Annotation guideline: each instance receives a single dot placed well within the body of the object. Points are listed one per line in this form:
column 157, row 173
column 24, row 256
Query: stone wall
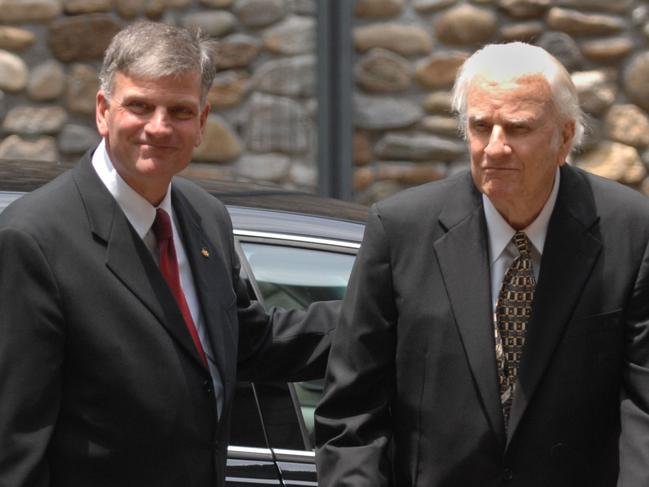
column 407, row 54
column 262, row 123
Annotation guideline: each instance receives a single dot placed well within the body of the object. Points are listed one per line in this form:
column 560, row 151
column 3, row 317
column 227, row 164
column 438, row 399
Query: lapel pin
column 205, row 252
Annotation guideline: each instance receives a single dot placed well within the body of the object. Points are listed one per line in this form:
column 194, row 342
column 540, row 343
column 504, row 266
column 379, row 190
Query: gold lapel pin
column 205, row 252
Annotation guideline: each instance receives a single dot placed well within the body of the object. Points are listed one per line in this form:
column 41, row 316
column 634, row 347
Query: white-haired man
column 123, row 321
column 495, row 329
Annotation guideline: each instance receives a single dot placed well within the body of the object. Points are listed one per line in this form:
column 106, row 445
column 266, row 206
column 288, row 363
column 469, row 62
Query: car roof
column 253, row 206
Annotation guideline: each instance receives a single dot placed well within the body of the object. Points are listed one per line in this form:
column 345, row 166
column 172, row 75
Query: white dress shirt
column 141, row 214
column 502, row 251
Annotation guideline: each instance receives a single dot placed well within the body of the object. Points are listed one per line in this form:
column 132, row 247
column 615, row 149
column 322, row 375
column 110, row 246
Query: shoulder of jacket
column 427, row 197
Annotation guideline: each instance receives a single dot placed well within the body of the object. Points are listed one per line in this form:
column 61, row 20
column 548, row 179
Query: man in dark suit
column 123, row 321
column 495, row 329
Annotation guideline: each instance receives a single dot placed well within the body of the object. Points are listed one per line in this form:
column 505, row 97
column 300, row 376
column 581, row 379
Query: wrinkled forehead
column 527, row 89
column 501, row 84
column 526, row 98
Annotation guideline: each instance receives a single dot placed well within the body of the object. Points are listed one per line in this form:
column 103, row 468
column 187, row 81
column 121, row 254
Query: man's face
column 517, row 141
column 151, row 127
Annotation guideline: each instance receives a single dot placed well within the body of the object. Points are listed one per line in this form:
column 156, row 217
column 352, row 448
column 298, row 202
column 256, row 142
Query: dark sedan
column 295, row 248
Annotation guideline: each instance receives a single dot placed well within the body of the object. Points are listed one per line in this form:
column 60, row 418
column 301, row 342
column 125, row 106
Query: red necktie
column 169, row 268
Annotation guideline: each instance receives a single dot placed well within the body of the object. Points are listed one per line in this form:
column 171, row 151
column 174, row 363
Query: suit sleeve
column 281, row 344
column 353, row 425
column 285, row 344
column 31, row 350
column 634, row 438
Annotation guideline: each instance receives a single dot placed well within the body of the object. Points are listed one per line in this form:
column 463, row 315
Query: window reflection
column 293, row 277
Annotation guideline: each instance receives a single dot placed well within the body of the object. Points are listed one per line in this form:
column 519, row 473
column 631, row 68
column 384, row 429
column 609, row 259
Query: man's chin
column 160, row 165
column 498, row 191
column 499, row 183
column 152, row 163
column 152, row 167
column 155, row 152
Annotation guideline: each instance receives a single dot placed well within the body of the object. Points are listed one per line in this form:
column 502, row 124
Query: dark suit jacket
column 100, row 383
column 412, row 390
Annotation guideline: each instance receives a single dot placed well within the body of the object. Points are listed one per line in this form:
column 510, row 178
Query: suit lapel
column 211, row 283
column 463, row 256
column 568, row 258
column 127, row 257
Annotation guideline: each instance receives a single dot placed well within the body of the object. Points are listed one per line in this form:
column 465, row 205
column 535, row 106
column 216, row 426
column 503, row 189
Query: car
column 295, row 248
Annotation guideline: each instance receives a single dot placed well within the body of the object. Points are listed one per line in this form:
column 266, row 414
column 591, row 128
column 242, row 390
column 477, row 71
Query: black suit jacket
column 412, row 390
column 100, row 383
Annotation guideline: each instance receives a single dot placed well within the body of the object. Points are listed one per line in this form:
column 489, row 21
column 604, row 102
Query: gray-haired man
column 121, row 305
column 495, row 330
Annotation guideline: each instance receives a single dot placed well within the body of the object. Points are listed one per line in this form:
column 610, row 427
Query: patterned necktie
column 513, row 311
column 169, row 269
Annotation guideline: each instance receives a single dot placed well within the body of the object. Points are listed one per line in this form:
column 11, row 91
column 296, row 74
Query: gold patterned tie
column 513, row 311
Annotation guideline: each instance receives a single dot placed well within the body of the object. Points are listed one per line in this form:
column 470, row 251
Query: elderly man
column 495, row 330
column 121, row 306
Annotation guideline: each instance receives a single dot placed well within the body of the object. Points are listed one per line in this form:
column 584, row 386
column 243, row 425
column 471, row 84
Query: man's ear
column 202, row 120
column 101, row 111
column 566, row 137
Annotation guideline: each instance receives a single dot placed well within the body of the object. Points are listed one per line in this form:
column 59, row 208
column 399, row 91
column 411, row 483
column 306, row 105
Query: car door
column 290, row 271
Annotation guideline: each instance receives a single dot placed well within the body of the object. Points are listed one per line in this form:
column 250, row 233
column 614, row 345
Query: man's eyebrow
column 131, row 97
column 521, row 119
column 175, row 104
column 184, row 102
column 477, row 117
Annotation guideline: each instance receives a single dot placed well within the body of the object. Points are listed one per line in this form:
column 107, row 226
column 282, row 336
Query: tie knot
column 162, row 225
column 522, row 243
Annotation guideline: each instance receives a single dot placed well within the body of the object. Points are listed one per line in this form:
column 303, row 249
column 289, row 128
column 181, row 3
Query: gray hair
column 156, row 50
column 514, row 60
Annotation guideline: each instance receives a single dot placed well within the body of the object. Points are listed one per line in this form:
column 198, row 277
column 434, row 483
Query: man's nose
column 159, row 123
column 498, row 145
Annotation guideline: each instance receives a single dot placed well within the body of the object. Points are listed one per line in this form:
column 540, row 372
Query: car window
column 265, row 413
column 246, row 425
column 293, row 277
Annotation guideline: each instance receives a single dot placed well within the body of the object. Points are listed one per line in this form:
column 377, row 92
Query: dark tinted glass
column 293, row 277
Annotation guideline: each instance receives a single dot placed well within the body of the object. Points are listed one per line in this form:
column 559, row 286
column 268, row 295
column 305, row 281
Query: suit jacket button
column 558, row 451
column 208, row 386
column 507, row 474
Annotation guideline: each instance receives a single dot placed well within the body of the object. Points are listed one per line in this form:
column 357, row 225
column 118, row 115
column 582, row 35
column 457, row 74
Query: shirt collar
column 501, row 233
column 139, row 212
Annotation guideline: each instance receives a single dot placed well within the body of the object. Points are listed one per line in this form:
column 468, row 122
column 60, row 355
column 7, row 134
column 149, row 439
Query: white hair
column 512, row 61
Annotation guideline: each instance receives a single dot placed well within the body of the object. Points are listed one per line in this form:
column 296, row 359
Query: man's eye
column 138, row 107
column 182, row 113
column 479, row 127
column 519, row 129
